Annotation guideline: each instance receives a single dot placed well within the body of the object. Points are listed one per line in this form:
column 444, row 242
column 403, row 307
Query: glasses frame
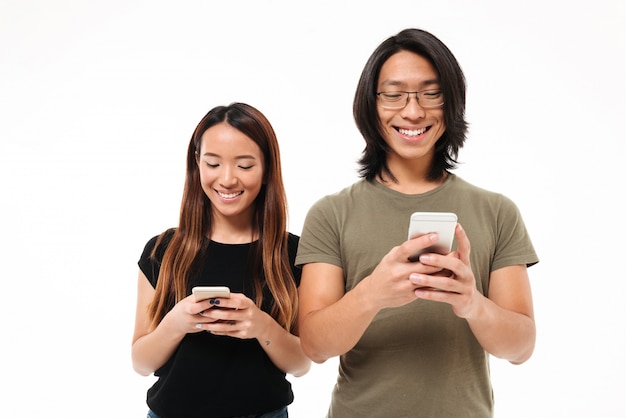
column 408, row 97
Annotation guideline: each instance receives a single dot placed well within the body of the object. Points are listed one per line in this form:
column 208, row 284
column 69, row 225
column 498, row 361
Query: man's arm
column 503, row 323
column 332, row 321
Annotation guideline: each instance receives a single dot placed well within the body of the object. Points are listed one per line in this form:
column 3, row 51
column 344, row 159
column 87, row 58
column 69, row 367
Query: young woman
column 232, row 232
column 414, row 337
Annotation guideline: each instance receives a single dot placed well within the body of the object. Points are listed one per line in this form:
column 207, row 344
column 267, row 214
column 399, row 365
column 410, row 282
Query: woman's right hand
column 152, row 347
column 187, row 316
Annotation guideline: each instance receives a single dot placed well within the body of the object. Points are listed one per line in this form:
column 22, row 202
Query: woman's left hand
column 236, row 316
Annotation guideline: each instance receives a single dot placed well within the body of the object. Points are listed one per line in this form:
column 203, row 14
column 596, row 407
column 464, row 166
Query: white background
column 98, row 101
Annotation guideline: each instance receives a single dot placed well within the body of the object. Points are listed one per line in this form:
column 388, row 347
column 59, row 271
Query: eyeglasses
column 399, row 99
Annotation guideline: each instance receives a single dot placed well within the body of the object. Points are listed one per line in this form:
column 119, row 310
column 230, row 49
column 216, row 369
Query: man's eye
column 392, row 96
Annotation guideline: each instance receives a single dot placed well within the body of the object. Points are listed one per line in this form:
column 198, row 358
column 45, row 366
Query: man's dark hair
column 373, row 161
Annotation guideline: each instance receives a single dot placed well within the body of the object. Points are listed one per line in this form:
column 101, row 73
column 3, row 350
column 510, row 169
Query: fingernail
column 198, row 325
column 416, row 278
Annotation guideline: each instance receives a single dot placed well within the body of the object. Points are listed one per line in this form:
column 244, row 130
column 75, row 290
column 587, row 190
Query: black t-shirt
column 217, row 376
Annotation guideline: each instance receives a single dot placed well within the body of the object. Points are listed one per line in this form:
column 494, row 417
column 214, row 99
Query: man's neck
column 409, row 184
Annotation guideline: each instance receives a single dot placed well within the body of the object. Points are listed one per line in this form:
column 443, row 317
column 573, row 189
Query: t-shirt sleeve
column 514, row 243
column 320, row 242
column 149, row 265
column 293, row 248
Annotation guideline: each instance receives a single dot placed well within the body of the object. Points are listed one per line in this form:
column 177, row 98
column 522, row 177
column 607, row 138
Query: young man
column 414, row 337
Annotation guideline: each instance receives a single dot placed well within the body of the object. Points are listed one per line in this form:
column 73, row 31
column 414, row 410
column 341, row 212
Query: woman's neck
column 229, row 230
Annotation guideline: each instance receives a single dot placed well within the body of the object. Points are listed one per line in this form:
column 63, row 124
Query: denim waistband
column 278, row 413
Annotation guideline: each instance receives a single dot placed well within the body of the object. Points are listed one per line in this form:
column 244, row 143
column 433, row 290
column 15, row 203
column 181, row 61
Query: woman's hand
column 187, row 316
column 239, row 317
column 236, row 316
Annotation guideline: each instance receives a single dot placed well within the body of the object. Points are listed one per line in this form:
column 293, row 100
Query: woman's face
column 412, row 131
column 231, row 173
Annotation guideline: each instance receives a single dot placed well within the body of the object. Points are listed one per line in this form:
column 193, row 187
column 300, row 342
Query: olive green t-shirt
column 418, row 360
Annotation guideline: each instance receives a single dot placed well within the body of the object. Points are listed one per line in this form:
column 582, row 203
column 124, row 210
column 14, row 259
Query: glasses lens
column 393, row 99
column 431, row 98
column 399, row 99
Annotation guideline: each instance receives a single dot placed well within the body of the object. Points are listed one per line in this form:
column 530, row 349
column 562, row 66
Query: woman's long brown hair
column 271, row 265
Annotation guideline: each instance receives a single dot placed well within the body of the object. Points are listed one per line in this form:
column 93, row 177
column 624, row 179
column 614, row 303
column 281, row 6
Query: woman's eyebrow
column 238, row 157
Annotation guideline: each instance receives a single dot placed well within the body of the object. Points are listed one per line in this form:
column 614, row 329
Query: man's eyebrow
column 398, row 83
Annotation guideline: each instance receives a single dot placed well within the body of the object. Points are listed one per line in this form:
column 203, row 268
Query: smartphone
column 443, row 223
column 207, row 292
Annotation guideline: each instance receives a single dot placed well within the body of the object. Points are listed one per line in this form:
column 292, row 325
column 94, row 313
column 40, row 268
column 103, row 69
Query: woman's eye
column 211, row 165
column 246, row 167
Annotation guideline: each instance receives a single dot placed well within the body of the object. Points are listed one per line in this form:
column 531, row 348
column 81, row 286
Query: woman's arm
column 151, row 349
column 245, row 320
column 283, row 348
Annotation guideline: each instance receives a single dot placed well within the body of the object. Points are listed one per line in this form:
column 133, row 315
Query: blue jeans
column 279, row 413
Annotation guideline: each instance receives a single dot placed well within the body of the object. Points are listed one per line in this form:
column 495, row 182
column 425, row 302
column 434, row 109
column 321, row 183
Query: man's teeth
column 229, row 195
column 412, row 132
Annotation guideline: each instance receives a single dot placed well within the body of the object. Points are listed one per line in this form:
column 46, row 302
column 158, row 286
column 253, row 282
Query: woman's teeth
column 229, row 195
